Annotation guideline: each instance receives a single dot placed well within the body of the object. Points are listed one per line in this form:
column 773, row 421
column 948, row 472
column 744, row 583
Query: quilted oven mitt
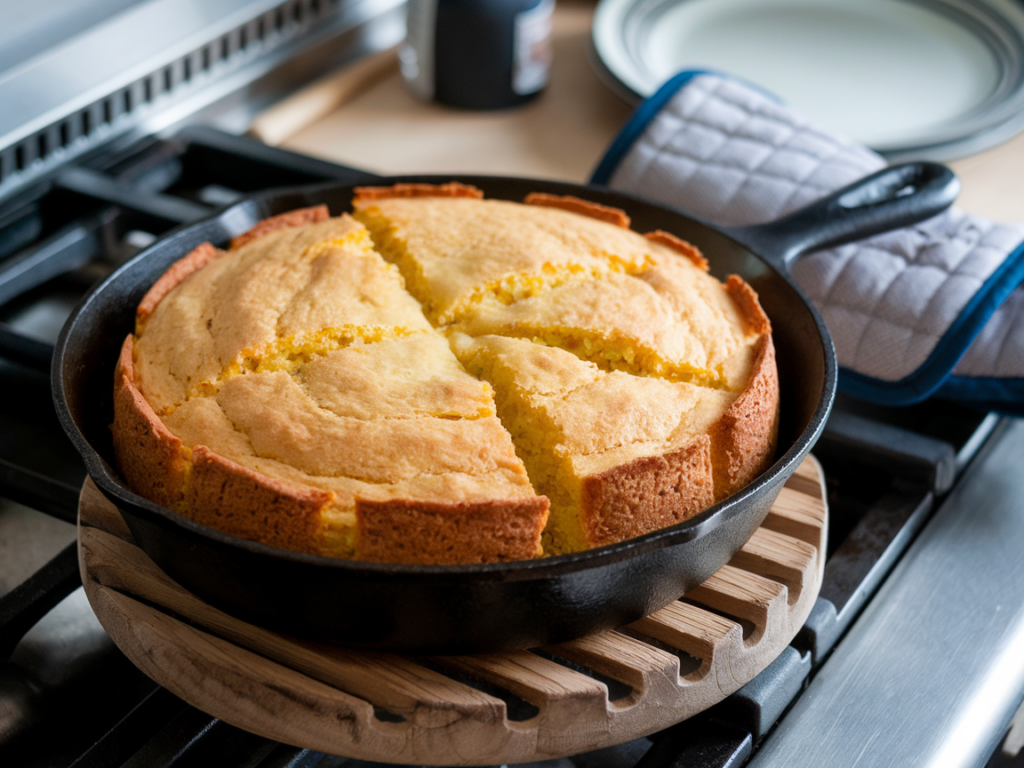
column 929, row 310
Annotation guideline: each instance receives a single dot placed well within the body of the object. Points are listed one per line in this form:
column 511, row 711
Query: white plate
column 933, row 78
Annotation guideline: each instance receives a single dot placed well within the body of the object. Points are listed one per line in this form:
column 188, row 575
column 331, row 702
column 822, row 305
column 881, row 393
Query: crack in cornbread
column 427, row 405
column 653, row 323
column 456, row 252
column 291, row 354
column 611, row 352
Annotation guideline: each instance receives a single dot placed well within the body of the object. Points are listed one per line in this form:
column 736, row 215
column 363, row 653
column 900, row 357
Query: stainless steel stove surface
column 911, row 656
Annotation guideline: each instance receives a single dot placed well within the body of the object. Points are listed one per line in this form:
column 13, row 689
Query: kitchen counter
column 365, row 117
column 380, row 126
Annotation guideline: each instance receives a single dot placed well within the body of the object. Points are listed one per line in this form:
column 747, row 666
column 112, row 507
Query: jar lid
column 929, row 79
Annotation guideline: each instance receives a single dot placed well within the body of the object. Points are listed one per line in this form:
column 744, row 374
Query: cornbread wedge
column 441, row 378
column 572, row 423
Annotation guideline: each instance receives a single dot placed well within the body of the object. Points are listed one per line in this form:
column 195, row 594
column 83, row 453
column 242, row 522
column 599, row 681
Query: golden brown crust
column 296, row 218
column 631, row 499
column 583, row 207
column 750, row 306
column 452, row 189
column 236, row 500
column 678, row 244
column 153, row 461
column 196, row 259
column 648, row 494
column 744, row 438
column 402, row 531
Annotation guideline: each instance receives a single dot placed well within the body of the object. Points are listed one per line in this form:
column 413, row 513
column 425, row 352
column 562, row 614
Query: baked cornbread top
column 468, row 249
column 617, row 298
column 448, row 363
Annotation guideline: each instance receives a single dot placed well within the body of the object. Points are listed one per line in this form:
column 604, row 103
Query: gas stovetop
column 909, row 657
column 920, row 600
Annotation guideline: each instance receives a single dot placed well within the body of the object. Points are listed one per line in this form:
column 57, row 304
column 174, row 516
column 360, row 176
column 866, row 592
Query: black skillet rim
column 519, row 570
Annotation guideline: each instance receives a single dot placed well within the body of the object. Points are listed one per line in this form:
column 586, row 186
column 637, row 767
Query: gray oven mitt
column 933, row 309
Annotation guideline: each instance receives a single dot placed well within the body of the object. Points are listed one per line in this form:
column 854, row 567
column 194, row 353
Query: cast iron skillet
column 492, row 607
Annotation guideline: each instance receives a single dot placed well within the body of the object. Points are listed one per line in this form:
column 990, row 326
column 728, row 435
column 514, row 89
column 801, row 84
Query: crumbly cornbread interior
column 446, row 348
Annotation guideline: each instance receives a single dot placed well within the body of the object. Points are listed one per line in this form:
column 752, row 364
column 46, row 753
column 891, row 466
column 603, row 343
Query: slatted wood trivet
column 467, row 710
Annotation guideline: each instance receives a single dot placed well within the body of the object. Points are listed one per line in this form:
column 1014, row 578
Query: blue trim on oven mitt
column 933, row 376
column 1005, row 396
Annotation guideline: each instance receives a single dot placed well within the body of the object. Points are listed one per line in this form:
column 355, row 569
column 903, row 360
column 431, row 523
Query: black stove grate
column 885, row 468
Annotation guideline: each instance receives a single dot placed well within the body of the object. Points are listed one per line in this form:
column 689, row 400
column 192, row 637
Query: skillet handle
column 893, row 197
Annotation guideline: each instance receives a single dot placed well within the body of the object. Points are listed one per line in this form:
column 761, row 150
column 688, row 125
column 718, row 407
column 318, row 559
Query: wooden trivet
column 466, row 710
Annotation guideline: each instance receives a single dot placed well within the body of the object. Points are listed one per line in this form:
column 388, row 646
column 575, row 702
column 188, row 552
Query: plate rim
column 997, row 24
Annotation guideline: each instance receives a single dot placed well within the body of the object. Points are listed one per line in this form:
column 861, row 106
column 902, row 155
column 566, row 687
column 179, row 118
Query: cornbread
column 440, row 378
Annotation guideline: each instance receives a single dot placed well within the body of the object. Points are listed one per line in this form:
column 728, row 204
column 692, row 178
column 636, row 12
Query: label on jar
column 532, row 48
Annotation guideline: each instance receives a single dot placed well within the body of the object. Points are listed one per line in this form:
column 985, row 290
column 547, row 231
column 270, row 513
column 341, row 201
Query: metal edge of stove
column 930, row 674
column 62, row 105
column 974, row 444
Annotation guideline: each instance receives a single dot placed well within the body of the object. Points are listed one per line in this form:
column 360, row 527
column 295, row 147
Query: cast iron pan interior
column 450, row 609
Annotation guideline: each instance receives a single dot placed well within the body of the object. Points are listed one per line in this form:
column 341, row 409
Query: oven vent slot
column 130, row 105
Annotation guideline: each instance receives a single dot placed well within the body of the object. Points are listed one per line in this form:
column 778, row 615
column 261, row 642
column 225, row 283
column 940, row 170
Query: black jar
column 477, row 54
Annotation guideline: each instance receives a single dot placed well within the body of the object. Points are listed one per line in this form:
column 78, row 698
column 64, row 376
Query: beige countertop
column 992, row 181
column 365, row 117
column 559, row 135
